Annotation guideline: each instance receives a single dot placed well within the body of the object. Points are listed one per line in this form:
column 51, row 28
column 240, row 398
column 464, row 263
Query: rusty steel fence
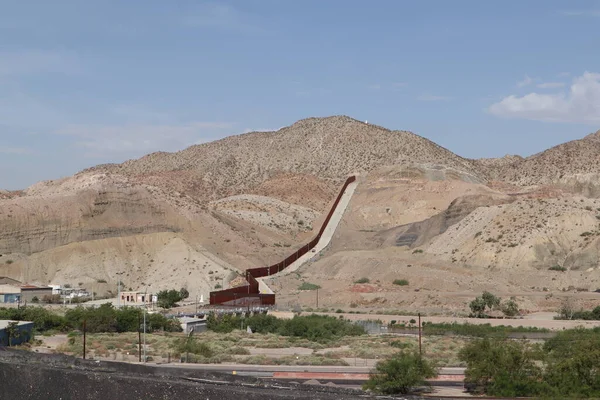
column 249, row 294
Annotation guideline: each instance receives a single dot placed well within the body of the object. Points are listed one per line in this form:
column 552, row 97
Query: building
column 135, row 298
column 29, row 292
column 189, row 323
column 9, row 294
column 25, row 332
column 9, row 281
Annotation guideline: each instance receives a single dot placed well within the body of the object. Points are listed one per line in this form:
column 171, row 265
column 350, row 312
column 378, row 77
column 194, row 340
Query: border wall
column 249, row 294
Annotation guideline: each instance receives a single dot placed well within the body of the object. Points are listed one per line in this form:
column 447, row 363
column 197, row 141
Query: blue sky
column 84, row 83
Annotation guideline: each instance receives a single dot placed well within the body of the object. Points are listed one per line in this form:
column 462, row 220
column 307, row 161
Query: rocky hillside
column 195, row 217
column 326, row 148
column 566, row 164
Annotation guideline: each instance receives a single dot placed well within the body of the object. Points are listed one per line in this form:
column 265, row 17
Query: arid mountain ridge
column 198, row 216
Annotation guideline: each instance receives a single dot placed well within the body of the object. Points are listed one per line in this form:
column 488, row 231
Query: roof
column 188, row 320
column 4, row 323
column 33, row 287
column 4, row 280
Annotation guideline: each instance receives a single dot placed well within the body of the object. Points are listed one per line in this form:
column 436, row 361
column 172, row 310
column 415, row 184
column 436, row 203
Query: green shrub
column 317, row 328
column 502, row 368
column 308, row 286
column 362, row 280
column 401, row 282
column 400, row 374
column 557, row 268
column 417, row 251
column 101, row 281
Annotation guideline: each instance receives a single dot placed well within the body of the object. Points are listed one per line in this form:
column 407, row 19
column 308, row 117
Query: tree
column 184, row 293
column 13, row 332
column 480, row 304
column 169, row 298
column 502, row 368
column 573, row 363
column 400, row 374
column 510, row 308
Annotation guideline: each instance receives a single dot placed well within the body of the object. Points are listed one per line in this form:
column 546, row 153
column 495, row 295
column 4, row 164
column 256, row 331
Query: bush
column 316, row 328
column 362, row 280
column 502, row 368
column 169, row 298
column 106, row 318
column 510, row 308
column 480, row 304
column 400, row 374
column 418, row 251
column 557, row 268
column 43, row 320
column 401, row 282
column 308, row 286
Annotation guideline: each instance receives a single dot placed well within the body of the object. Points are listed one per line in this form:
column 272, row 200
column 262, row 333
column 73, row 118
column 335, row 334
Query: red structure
column 249, row 294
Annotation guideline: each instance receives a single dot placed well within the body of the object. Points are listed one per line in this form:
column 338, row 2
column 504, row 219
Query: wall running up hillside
column 250, row 294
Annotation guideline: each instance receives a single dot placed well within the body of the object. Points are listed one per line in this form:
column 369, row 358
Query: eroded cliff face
column 32, row 224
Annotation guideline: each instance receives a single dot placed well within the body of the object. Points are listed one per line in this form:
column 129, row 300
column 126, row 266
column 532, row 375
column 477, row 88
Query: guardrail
column 249, row 294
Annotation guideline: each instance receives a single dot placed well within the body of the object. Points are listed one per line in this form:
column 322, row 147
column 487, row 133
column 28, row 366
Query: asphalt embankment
column 25, row 375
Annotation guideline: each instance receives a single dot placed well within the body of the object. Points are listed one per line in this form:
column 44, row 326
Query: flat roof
column 4, row 323
column 187, row 320
column 33, row 287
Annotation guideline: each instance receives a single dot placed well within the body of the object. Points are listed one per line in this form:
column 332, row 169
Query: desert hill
column 198, row 217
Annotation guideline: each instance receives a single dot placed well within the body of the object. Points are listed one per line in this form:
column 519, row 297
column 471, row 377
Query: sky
column 84, row 83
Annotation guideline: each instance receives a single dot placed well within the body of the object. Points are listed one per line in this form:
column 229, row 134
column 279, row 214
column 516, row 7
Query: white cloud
column 36, row 61
column 101, row 140
column 551, row 85
column 525, row 82
column 581, row 104
column 430, row 97
column 222, row 16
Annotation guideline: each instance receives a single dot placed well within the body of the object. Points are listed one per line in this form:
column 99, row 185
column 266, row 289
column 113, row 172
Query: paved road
column 324, row 241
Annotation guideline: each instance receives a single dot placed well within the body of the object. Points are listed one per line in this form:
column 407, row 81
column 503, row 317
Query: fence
column 249, row 294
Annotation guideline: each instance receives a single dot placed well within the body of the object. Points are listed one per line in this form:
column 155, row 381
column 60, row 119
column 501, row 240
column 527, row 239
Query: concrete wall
column 28, row 294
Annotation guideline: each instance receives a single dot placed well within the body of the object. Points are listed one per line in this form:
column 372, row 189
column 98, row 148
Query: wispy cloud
column 581, row 104
column 551, row 85
column 26, row 62
column 525, row 82
column 103, row 140
column 431, row 97
column 223, row 17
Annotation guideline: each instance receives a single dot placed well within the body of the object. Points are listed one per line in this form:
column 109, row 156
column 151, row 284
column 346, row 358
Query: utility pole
column 144, row 333
column 119, row 292
column 139, row 338
column 145, row 309
column 420, row 346
column 84, row 331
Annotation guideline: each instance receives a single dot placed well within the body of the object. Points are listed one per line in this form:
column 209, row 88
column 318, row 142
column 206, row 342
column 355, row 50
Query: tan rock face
column 195, row 217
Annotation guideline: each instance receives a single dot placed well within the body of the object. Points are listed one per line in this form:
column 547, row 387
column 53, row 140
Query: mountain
column 200, row 216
